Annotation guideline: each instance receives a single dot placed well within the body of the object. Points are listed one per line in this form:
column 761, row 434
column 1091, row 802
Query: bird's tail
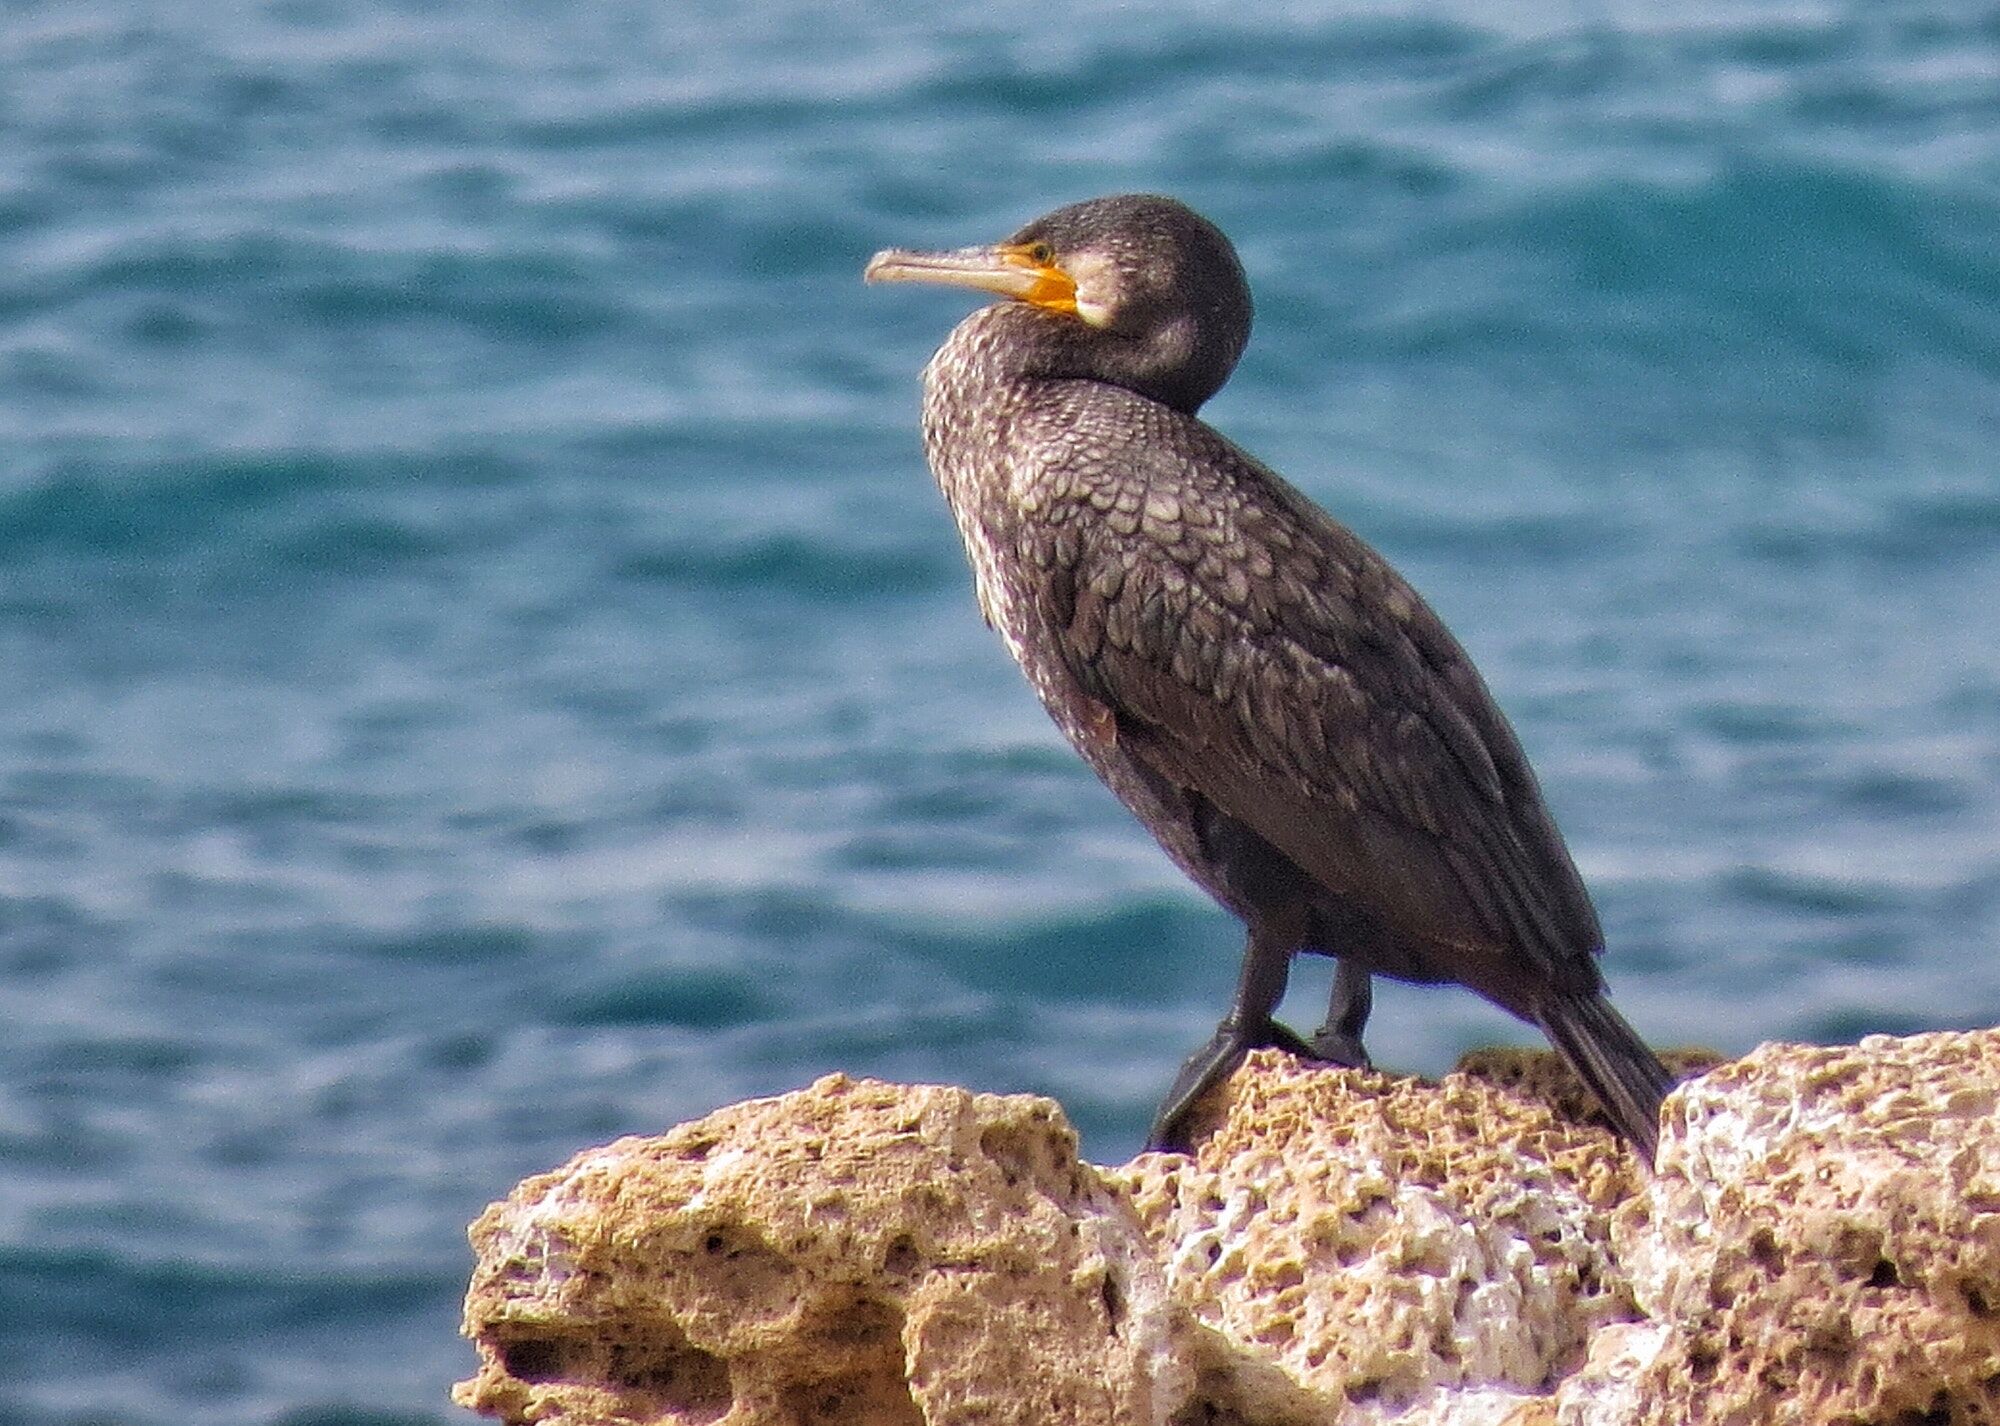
column 1608, row 1055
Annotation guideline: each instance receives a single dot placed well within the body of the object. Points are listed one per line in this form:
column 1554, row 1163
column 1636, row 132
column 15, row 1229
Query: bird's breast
column 1001, row 480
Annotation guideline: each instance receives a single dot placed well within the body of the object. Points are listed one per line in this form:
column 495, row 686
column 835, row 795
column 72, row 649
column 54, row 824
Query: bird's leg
column 1338, row 1041
column 1267, row 960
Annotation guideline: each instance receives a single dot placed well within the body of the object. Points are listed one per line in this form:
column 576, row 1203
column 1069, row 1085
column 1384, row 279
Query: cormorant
column 1278, row 707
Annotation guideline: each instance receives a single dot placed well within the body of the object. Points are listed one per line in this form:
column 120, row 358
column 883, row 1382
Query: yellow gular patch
column 1053, row 288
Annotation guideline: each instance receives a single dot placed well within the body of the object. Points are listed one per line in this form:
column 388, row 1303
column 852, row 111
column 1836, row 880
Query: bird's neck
column 1010, row 344
column 974, row 389
column 999, row 347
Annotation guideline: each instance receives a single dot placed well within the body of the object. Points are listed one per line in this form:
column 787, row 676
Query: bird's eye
column 1041, row 254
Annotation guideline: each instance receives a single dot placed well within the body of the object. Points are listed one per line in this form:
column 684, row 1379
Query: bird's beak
column 1008, row 270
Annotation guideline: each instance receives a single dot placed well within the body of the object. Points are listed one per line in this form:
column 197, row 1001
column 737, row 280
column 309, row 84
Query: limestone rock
column 1820, row 1245
column 854, row 1252
column 1406, row 1251
column 1547, row 1079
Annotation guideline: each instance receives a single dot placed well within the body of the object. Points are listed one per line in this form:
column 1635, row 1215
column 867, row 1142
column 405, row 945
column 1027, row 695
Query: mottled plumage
column 1274, row 702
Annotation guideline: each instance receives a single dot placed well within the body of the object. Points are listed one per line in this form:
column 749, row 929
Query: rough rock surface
column 1820, row 1244
column 1391, row 1244
column 854, row 1252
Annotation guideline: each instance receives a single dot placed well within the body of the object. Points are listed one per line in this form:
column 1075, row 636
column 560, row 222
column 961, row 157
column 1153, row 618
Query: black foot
column 1338, row 1041
column 1337, row 1047
column 1209, row 1066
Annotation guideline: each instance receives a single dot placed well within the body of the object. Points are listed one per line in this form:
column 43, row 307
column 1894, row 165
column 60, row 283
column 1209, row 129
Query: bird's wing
column 1254, row 650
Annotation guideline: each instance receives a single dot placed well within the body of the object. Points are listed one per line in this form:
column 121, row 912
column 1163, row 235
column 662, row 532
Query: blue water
column 483, row 668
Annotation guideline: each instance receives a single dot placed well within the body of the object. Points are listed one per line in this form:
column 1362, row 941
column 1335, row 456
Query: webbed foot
column 1207, row 1067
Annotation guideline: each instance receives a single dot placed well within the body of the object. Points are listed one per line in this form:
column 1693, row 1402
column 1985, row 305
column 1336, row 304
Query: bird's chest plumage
column 995, row 490
column 1025, row 468
column 1050, row 482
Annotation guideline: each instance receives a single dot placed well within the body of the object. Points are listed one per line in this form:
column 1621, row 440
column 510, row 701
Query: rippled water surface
column 483, row 667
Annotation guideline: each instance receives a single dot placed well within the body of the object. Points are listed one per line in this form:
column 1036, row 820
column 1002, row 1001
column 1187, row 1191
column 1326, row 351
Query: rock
column 1821, row 1243
column 1392, row 1245
column 854, row 1252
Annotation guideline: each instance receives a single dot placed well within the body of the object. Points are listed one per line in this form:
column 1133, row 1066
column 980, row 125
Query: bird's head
column 1136, row 290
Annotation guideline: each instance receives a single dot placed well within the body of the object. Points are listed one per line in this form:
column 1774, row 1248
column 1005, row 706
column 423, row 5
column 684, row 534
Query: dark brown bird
column 1282, row 711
